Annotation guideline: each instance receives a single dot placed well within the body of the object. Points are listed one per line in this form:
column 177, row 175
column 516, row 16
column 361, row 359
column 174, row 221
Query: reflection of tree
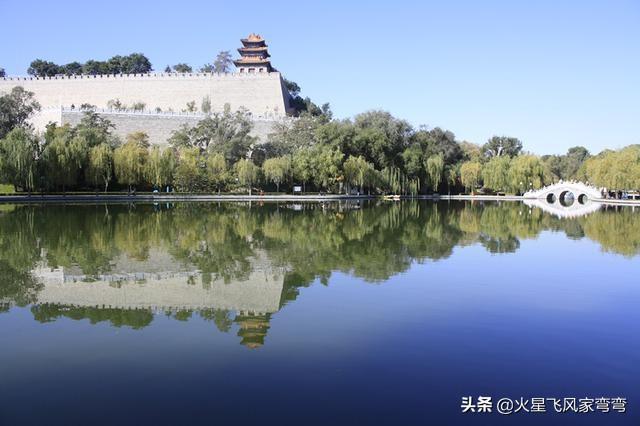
column 225, row 242
column 17, row 285
column 617, row 231
column 220, row 317
column 134, row 318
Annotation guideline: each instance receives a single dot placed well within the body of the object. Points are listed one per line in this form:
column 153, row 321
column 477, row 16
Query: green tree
column 495, row 173
column 206, row 68
column 223, row 62
column 247, row 173
column 289, row 136
column 326, row 164
column 381, row 138
column 182, row 68
column 277, row 170
column 41, row 68
column 226, row 133
column 302, row 164
column 217, row 171
column 135, row 63
column 160, row 167
column 15, row 108
column 190, row 173
column 100, row 167
column 470, row 174
column 502, row 145
column 526, row 172
column 435, row 168
column 129, row 160
column 64, row 156
column 357, row 172
column 18, row 158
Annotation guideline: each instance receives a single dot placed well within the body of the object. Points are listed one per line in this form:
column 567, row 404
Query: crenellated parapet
column 164, row 75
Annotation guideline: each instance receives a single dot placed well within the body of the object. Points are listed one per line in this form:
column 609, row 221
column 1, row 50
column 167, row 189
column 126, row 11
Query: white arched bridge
column 565, row 199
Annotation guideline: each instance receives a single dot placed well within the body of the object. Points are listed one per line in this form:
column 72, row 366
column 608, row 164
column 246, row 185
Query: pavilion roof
column 252, row 60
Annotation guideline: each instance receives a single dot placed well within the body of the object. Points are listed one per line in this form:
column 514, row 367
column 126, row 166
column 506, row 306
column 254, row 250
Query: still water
column 372, row 313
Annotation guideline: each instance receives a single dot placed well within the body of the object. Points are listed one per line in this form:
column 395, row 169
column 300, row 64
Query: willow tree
column 526, row 172
column 356, row 171
column 435, row 167
column 277, row 170
column 190, row 173
column 495, row 173
column 470, row 173
column 247, row 173
column 160, row 167
column 614, row 169
column 100, row 165
column 326, row 164
column 18, row 158
column 217, row 170
column 129, row 160
column 64, row 156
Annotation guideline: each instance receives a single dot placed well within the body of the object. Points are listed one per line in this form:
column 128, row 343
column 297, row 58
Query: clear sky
column 553, row 73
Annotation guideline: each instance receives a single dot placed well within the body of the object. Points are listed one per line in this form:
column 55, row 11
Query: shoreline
column 154, row 198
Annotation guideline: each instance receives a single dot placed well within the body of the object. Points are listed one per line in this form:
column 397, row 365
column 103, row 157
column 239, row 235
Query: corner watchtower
column 254, row 56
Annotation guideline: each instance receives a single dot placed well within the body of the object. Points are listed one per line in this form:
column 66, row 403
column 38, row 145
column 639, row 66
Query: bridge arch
column 559, row 193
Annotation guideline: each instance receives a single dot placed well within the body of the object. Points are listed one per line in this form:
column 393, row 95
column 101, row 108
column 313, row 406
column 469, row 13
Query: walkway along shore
column 156, row 198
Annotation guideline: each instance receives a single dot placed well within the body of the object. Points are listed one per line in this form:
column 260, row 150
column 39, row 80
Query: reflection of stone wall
column 130, row 288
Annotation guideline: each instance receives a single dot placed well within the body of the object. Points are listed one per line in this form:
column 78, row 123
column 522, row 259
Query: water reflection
column 236, row 265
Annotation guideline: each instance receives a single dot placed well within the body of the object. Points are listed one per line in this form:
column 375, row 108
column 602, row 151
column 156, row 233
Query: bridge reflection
column 564, row 211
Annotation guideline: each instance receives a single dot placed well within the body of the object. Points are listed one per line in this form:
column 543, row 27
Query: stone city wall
column 160, row 126
column 263, row 94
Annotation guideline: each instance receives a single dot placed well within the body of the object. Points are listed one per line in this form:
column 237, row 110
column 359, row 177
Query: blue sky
column 553, row 73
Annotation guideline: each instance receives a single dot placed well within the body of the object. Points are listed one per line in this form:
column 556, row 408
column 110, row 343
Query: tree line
column 135, row 63
column 374, row 152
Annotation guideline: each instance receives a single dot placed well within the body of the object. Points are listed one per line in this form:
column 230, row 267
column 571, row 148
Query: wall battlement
column 91, row 77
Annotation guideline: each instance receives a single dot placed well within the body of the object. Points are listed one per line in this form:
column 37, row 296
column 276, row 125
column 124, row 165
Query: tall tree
column 470, row 174
column 160, row 167
column 435, row 168
column 356, row 172
column 247, row 173
column 495, row 173
column 64, row 156
column 190, row 173
column 326, row 163
column 217, row 170
column 129, row 160
column 526, row 172
column 223, row 62
column 18, row 158
column 15, row 108
column 302, row 164
column 502, row 145
column 2, row 72
column 100, row 167
column 277, row 170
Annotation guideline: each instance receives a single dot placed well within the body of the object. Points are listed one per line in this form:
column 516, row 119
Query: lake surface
column 338, row 313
